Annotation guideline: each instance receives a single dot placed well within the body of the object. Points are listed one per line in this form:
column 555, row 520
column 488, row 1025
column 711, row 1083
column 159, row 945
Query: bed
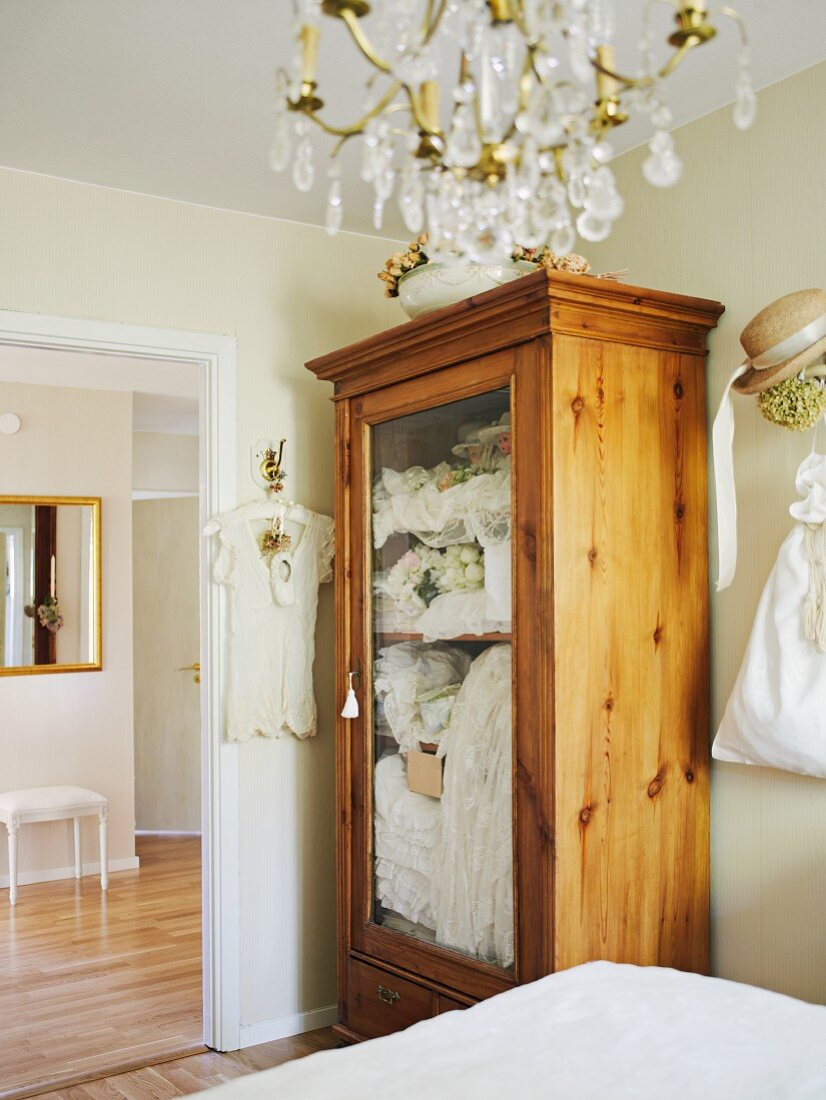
column 598, row 1030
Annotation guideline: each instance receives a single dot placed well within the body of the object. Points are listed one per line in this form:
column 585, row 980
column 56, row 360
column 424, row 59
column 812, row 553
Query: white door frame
column 13, row 639
column 215, row 356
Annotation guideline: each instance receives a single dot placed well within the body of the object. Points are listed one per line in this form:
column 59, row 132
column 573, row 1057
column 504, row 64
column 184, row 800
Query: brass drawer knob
column 389, row 996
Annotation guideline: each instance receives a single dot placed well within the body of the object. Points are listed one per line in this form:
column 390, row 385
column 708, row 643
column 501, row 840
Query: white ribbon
column 722, row 440
column 792, row 345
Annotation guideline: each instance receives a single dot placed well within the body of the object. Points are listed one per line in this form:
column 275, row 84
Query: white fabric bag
column 776, row 716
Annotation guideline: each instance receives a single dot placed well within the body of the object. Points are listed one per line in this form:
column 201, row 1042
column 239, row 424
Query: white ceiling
column 154, row 412
column 174, row 97
column 164, row 393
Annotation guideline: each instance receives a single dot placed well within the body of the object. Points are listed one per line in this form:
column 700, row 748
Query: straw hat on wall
column 782, row 339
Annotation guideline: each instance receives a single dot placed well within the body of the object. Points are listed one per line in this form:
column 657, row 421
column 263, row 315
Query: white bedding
column 596, row 1031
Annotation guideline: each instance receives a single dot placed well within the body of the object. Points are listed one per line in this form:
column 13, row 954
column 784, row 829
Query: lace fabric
column 472, row 878
column 474, row 510
column 410, row 675
column 459, row 613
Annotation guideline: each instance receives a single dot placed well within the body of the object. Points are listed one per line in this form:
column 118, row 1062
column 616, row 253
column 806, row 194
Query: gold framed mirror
column 50, row 585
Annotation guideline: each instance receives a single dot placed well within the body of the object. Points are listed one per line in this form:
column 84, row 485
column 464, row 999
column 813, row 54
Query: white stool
column 53, row 804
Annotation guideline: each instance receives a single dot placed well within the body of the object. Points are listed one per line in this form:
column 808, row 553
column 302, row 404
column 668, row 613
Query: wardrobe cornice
column 543, row 303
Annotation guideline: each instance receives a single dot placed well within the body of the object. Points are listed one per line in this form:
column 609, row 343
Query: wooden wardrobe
column 597, row 391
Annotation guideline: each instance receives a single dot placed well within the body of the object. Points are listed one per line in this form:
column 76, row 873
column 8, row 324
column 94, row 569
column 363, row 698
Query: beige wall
column 165, row 461
column 287, row 292
column 744, row 226
column 165, row 542
column 74, row 728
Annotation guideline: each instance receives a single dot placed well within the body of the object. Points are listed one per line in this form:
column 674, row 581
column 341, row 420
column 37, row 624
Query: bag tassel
column 814, row 609
column 351, row 703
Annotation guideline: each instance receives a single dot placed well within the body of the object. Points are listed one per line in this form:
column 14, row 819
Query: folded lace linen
column 474, row 510
column 411, row 675
column 455, row 613
column 406, row 829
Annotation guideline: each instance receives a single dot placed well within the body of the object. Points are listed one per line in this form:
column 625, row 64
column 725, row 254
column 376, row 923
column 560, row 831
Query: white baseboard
column 268, row 1030
column 29, row 878
column 166, row 832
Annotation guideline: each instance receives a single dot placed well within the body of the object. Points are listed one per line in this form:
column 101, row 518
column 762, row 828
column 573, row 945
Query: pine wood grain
column 631, row 865
column 95, row 983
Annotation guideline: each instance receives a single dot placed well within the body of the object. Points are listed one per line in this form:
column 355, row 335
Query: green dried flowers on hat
column 796, row 404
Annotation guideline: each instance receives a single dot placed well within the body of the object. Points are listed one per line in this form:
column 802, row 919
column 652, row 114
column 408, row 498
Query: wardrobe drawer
column 448, row 1004
column 379, row 1003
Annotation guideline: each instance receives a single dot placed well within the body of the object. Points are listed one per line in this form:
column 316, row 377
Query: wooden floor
column 202, row 1071
column 92, row 984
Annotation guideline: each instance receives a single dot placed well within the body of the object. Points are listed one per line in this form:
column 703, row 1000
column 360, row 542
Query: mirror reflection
column 50, row 595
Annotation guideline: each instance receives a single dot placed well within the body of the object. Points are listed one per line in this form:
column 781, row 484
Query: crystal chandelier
column 519, row 150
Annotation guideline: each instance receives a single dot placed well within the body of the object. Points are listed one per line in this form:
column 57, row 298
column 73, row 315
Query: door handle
column 389, row 996
column 196, row 668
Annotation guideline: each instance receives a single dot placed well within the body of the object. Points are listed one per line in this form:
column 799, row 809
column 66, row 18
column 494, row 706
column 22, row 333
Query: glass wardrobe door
column 442, row 719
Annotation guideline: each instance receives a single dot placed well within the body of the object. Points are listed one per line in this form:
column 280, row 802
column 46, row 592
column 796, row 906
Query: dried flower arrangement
column 573, row 262
column 274, row 540
column 796, row 404
column 49, row 614
column 400, row 263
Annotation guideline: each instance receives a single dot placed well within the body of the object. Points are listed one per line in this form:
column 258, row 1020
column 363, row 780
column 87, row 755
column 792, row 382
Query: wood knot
column 678, row 389
column 658, row 634
column 577, row 405
column 609, row 703
column 655, row 786
column 585, row 815
column 592, row 555
column 679, row 509
column 689, row 775
column 601, row 394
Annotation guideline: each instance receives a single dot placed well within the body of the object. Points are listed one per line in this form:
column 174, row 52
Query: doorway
column 151, row 356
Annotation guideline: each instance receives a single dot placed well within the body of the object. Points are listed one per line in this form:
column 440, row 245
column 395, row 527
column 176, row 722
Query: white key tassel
column 351, row 705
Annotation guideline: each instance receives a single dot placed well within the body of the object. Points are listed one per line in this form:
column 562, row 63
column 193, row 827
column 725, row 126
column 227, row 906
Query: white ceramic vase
column 433, row 286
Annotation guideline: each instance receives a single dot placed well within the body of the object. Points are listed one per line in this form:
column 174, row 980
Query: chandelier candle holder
column 519, row 149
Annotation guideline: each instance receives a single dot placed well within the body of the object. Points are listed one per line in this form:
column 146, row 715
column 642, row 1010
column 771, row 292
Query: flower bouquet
column 423, row 573
column 49, row 614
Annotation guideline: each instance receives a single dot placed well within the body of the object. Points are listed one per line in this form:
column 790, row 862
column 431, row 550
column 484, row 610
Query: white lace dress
column 272, row 617
column 472, row 866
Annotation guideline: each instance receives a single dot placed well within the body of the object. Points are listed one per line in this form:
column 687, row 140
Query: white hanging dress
column 273, row 612
column 776, row 716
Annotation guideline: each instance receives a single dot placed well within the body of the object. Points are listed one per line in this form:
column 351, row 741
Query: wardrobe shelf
column 391, row 637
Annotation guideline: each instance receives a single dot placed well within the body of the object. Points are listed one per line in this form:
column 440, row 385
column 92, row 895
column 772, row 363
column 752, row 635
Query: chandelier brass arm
column 357, row 127
column 351, row 21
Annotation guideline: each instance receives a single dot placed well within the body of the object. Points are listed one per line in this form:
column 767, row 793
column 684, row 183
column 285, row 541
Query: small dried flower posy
column 274, row 540
column 402, row 262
